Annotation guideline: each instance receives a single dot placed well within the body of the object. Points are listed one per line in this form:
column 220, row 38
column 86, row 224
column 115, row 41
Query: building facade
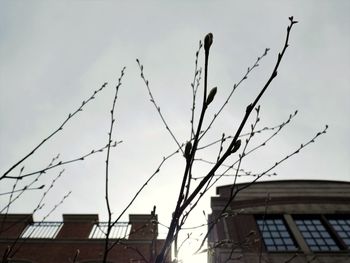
column 293, row 221
column 79, row 238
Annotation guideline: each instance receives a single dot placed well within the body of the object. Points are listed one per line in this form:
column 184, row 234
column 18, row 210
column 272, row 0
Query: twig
column 110, row 133
column 70, row 116
column 23, row 189
column 57, row 205
column 264, row 143
column 235, row 86
column 60, row 163
column 279, row 126
column 301, row 147
column 144, row 185
column 156, row 105
column 195, row 88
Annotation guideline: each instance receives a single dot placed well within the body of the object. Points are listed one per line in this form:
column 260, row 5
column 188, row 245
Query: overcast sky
column 54, row 54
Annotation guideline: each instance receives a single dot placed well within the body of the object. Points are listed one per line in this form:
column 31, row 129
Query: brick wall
column 141, row 245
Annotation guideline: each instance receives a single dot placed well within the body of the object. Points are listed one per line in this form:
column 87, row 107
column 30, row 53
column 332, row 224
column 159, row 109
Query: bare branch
column 60, row 163
column 235, row 86
column 110, row 133
column 156, row 105
column 70, row 116
column 195, row 85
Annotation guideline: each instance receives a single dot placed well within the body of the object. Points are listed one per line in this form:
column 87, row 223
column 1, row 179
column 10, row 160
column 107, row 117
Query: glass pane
column 275, row 235
column 342, row 227
column 316, row 235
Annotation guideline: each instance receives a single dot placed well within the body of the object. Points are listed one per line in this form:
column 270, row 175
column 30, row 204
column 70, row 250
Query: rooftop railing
column 49, row 230
column 119, row 230
column 42, row 230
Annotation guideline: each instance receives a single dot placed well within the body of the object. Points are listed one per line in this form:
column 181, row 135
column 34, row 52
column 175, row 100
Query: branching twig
column 156, row 105
column 144, row 185
column 70, row 116
column 264, row 143
column 60, row 163
column 235, row 86
column 57, row 205
column 110, row 133
column 278, row 127
column 233, row 195
column 195, row 85
column 36, row 179
column 22, row 189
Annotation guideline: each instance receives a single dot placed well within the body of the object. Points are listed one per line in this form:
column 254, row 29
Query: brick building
column 293, row 221
column 57, row 242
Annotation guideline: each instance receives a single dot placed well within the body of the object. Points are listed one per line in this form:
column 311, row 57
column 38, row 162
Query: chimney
column 143, row 227
column 77, row 226
column 12, row 225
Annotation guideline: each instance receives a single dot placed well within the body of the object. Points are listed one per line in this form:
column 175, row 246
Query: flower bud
column 188, row 148
column 208, row 40
column 211, row 95
column 236, row 146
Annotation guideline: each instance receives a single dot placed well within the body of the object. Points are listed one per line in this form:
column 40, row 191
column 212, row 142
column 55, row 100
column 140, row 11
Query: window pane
column 316, row 235
column 284, row 234
column 275, row 234
column 342, row 227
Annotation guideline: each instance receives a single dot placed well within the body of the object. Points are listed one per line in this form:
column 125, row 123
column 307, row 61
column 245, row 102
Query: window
column 275, row 234
column 316, row 235
column 342, row 227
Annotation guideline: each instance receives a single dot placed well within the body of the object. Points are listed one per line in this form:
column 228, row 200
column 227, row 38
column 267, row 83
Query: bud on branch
column 236, row 146
column 211, row 95
column 188, row 148
column 208, row 40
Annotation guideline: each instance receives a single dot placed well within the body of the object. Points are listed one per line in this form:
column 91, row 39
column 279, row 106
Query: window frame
column 326, row 225
column 287, row 229
column 343, row 244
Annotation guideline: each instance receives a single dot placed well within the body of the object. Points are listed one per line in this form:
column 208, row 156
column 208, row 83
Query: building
column 292, row 221
column 79, row 238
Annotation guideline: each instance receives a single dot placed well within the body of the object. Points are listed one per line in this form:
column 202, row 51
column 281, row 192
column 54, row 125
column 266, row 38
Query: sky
column 54, row 54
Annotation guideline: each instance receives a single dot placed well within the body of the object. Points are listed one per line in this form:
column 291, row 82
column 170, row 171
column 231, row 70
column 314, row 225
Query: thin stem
column 60, row 163
column 156, row 105
column 195, row 88
column 235, row 86
column 70, row 116
column 110, row 133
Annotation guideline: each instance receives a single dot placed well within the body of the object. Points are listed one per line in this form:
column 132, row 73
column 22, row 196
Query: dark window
column 316, row 235
column 342, row 227
column 275, row 234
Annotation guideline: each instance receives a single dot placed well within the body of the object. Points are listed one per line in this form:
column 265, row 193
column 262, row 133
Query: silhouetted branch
column 23, row 189
column 13, row 249
column 144, row 185
column 235, row 86
column 262, row 144
column 156, row 105
column 28, row 186
column 110, row 133
column 195, row 85
column 234, row 193
column 57, row 205
column 70, row 116
column 278, row 127
column 60, row 163
column 40, row 204
column 182, row 203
